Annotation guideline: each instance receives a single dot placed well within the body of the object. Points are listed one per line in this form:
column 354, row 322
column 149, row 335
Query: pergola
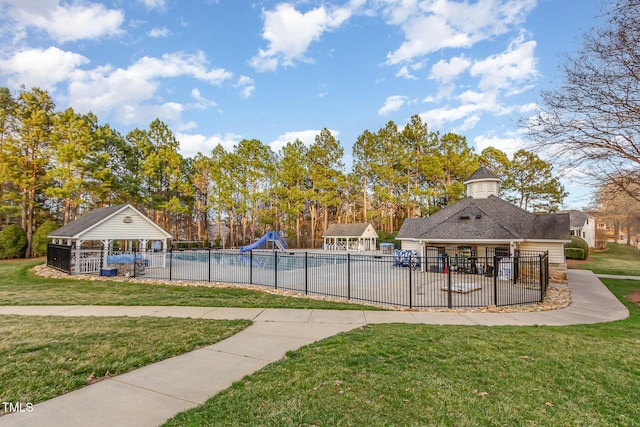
column 108, row 225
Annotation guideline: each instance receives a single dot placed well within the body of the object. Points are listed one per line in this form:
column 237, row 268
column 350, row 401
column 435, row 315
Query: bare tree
column 593, row 120
column 619, row 210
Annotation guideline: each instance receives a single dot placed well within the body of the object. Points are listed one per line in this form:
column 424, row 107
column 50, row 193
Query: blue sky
column 219, row 71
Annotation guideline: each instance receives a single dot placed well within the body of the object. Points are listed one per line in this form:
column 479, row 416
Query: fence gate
column 59, row 257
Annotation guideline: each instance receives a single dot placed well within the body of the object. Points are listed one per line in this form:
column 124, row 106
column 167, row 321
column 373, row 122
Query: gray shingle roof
column 486, row 219
column 86, row 221
column 345, row 230
column 482, row 173
column 577, row 218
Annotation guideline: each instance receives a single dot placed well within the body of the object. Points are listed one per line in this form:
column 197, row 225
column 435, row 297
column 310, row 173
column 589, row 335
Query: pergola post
column 76, row 267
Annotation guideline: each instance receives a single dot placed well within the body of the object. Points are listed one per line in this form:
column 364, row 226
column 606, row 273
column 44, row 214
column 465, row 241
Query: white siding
column 482, row 189
column 116, row 229
column 589, row 232
column 370, row 233
column 412, row 245
column 556, row 250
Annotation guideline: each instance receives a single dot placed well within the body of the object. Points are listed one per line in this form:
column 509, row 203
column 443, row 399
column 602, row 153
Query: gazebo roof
column 97, row 218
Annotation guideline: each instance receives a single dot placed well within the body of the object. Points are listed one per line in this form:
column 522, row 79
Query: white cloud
column 532, row 107
column 155, row 4
column 446, row 71
column 191, row 144
column 124, row 91
column 512, row 67
column 159, row 32
column 66, row 22
column 307, row 137
column 509, row 145
column 290, row 33
column 146, row 113
column 439, row 24
column 439, row 117
column 392, row 103
column 40, row 67
column 405, row 73
column 202, row 102
column 246, row 85
column 247, row 91
column 498, row 76
column 470, row 122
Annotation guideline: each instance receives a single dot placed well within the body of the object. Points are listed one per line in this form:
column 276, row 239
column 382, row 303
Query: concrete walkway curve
column 150, row 395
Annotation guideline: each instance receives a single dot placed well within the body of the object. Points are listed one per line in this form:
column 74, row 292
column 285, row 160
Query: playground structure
column 273, row 238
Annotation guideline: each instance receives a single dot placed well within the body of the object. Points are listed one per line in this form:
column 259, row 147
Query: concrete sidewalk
column 152, row 394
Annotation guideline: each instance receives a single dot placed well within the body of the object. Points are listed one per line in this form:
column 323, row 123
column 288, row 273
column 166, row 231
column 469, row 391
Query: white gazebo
column 106, row 226
column 350, row 237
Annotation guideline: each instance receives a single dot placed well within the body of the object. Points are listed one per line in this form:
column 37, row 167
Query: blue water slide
column 271, row 236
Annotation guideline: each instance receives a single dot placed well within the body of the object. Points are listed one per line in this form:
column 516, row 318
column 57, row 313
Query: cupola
column 482, row 184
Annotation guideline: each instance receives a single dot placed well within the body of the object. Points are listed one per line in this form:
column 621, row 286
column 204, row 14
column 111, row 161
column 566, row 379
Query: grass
column 19, row 286
column 43, row 357
column 450, row 375
column 441, row 375
column 617, row 259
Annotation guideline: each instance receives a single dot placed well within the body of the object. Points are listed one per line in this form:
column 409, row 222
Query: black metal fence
column 59, row 257
column 402, row 280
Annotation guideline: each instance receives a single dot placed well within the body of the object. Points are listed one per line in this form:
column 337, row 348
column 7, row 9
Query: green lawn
column 419, row 374
column 617, row 259
column 451, row 375
column 44, row 357
column 19, row 286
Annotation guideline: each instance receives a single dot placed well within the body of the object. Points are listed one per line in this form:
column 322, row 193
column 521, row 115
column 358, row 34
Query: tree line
column 57, row 165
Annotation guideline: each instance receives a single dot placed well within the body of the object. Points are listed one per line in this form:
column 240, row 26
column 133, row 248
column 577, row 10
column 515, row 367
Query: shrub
column 13, row 242
column 384, row 237
column 577, row 243
column 40, row 239
column 574, row 253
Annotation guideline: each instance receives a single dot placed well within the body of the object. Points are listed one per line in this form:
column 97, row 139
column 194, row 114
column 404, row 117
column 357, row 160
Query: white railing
column 88, row 262
column 151, row 259
column 89, row 265
column 155, row 259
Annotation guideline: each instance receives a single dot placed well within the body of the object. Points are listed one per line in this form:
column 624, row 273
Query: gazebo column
column 164, row 253
column 76, row 267
column 105, row 251
column 143, row 246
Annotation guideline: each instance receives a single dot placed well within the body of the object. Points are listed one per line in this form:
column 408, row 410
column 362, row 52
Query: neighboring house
column 105, row 226
column 350, row 237
column 486, row 225
column 616, row 233
column 583, row 225
column 223, row 236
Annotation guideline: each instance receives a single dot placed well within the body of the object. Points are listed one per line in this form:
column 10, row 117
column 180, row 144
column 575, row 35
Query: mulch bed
column 634, row 296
